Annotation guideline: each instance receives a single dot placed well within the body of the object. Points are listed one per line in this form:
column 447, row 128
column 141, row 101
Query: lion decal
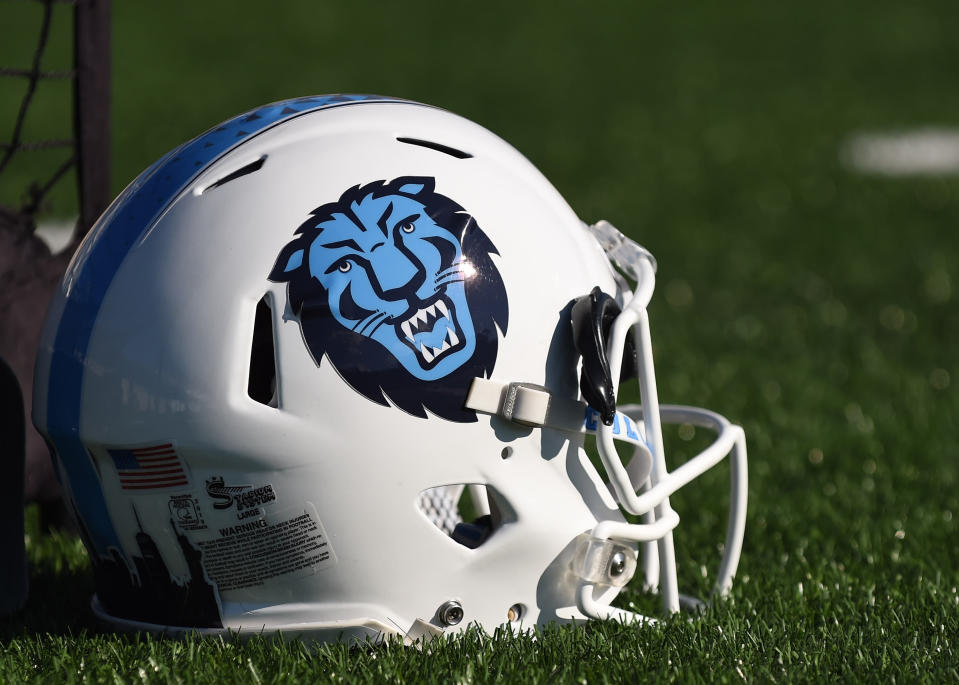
column 394, row 283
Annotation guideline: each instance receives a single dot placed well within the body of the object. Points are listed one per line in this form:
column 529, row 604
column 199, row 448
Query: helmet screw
column 617, row 564
column 450, row 613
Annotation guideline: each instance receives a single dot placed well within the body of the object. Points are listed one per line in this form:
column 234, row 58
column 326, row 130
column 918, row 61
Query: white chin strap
column 643, row 485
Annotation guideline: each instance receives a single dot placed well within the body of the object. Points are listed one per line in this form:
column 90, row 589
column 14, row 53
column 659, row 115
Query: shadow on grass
column 58, row 604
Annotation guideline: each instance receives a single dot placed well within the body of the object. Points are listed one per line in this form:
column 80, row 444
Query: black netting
column 38, row 189
column 29, row 271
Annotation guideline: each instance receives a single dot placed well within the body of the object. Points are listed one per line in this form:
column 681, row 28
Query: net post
column 14, row 580
column 91, row 109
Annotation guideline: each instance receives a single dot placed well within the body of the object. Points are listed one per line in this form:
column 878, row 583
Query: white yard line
column 56, row 234
column 923, row 151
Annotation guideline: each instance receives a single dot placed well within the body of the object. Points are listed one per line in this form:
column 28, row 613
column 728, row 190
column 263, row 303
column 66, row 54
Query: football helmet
column 328, row 369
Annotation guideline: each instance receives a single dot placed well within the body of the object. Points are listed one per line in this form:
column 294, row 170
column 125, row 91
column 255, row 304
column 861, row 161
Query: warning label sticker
column 251, row 553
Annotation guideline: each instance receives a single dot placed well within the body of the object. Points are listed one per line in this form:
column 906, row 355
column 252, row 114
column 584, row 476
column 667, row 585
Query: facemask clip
column 604, row 562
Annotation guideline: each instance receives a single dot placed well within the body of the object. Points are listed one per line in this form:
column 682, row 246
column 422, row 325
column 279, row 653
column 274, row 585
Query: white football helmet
column 289, row 346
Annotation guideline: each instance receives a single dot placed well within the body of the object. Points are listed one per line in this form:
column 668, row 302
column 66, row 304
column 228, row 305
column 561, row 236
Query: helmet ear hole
column 469, row 513
column 261, row 383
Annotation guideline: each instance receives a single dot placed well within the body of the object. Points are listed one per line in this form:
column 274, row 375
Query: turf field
column 815, row 304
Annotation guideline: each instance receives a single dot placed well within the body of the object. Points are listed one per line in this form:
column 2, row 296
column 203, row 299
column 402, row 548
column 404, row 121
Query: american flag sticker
column 152, row 467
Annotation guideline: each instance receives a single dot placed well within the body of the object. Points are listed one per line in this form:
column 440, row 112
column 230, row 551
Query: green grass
column 813, row 305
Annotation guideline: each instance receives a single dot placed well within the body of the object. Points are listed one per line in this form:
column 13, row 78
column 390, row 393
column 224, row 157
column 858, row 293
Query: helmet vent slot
column 439, row 147
column 469, row 513
column 261, row 385
column 233, row 175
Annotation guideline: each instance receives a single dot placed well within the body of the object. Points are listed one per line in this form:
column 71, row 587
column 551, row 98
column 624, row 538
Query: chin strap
column 592, row 318
column 533, row 405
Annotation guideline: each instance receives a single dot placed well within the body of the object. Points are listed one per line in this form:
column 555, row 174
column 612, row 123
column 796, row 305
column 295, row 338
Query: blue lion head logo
column 394, row 283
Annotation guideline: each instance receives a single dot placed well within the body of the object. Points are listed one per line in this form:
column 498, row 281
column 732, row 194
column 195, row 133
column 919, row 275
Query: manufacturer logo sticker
column 245, row 499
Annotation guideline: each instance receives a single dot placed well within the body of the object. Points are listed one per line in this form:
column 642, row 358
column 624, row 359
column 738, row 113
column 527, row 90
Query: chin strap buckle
column 526, row 404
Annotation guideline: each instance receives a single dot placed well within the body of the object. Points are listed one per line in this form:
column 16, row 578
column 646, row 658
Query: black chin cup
column 592, row 319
